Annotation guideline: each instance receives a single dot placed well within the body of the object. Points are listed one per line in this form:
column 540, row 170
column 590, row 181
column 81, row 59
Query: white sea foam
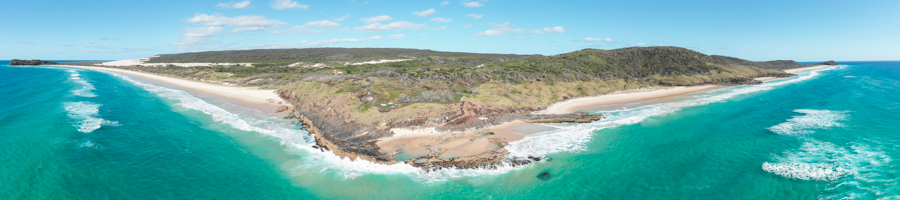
column 823, row 161
column 573, row 137
column 806, row 171
column 852, row 171
column 568, row 138
column 86, row 89
column 315, row 160
column 86, row 112
column 89, row 144
column 813, row 119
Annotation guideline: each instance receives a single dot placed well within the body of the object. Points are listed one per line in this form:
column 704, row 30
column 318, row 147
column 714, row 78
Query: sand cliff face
column 335, row 130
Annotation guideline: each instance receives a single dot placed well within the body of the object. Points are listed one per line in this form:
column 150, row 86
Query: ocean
column 834, row 133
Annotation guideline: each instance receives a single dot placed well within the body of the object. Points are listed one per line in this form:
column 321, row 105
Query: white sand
column 765, row 78
column 142, row 62
column 301, row 64
column 379, row 61
column 795, row 70
column 407, row 132
column 573, row 105
column 248, row 95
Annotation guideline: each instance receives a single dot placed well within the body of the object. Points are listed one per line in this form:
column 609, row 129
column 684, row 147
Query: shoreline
column 622, row 97
column 425, row 145
column 264, row 100
column 420, row 141
column 795, row 70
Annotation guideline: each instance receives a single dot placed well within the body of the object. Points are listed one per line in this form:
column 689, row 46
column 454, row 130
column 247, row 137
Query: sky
column 754, row 30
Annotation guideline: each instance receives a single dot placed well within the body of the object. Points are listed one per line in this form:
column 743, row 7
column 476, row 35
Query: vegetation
column 444, row 77
column 316, row 55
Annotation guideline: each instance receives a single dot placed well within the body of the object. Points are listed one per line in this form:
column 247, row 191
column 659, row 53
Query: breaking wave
column 851, row 171
column 91, row 145
column 86, row 89
column 574, row 137
column 86, row 112
column 314, row 160
column 814, row 119
column 568, row 138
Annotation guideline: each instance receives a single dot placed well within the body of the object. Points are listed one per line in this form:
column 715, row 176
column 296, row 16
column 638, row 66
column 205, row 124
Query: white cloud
column 507, row 24
column 287, row 4
column 640, row 44
column 441, row 20
column 473, row 4
column 333, row 41
column 241, row 23
column 521, row 38
column 558, row 29
column 376, row 19
column 238, row 5
column 499, row 31
column 307, row 43
column 296, row 29
column 467, row 26
column 590, row 39
column 425, row 12
column 423, row 34
column 445, row 3
column 197, row 37
column 377, row 37
column 110, row 38
column 342, row 18
column 397, row 36
column 307, row 28
column 391, row 26
column 437, row 28
column 322, row 24
column 476, row 16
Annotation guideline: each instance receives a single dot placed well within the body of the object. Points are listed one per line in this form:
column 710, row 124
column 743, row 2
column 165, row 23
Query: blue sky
column 755, row 30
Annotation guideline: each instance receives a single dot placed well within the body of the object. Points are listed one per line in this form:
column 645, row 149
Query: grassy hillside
column 318, row 55
column 443, row 77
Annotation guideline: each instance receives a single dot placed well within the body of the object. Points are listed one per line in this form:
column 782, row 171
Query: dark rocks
column 742, row 81
column 281, row 109
column 544, row 176
column 30, row 62
column 830, row 62
column 577, row 117
column 350, row 139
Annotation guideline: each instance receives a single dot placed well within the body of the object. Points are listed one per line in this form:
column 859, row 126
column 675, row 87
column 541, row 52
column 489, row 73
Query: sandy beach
column 795, row 70
column 635, row 96
column 248, row 95
column 416, row 142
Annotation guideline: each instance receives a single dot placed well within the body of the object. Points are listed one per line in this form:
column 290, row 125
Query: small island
column 17, row 62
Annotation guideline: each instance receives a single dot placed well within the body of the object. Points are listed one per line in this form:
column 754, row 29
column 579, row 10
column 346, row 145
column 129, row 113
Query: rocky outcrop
column 349, row 139
column 544, row 176
column 30, row 62
column 830, row 62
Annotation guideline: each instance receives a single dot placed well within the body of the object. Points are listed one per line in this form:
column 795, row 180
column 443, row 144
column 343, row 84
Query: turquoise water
column 80, row 134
